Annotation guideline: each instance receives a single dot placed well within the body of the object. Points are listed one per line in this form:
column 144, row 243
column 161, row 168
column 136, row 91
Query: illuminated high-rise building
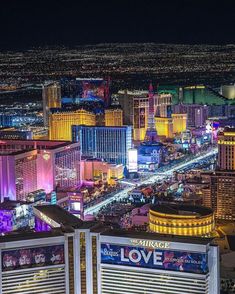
column 113, row 117
column 222, row 181
column 222, row 193
column 61, row 122
column 126, row 99
column 163, row 119
column 18, row 173
column 226, row 144
column 140, row 117
column 51, row 98
column 196, row 114
column 110, row 144
column 179, row 122
column 28, row 165
column 164, row 126
column 150, row 151
column 164, row 105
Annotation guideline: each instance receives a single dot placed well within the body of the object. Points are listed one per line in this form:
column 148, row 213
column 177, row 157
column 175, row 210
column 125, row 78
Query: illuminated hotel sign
column 46, row 156
column 154, row 258
column 150, row 243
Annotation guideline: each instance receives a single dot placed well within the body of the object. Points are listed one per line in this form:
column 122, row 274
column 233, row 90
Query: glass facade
column 108, row 143
column 67, row 164
column 26, row 165
column 25, row 176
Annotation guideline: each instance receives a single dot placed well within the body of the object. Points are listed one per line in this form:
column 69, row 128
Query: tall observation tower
column 151, row 132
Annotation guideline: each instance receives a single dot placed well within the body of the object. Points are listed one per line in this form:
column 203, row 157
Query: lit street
column 151, row 180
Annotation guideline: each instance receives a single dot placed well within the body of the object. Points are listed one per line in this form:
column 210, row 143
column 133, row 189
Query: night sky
column 24, row 24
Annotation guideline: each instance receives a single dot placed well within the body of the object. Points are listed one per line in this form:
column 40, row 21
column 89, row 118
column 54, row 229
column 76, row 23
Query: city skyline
column 117, row 147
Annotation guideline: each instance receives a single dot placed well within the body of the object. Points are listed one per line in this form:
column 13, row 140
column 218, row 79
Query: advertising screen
column 92, row 88
column 154, row 258
column 132, row 160
column 32, row 257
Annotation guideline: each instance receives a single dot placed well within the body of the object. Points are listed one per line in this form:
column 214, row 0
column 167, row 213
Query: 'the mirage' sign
column 154, row 258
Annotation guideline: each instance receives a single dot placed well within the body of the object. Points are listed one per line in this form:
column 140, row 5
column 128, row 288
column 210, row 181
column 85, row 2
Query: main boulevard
column 151, row 180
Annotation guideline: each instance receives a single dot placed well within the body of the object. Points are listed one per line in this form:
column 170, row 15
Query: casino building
column 72, row 256
column 110, row 144
column 28, row 165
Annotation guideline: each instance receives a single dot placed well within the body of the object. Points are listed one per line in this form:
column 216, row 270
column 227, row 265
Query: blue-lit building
column 18, row 120
column 11, row 133
column 110, row 144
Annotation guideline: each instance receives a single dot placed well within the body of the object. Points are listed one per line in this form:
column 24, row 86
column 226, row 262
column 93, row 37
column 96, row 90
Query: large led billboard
column 154, row 258
column 22, row 258
column 90, row 88
column 132, row 160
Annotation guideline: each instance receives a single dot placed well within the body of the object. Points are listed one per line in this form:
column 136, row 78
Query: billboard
column 93, row 88
column 132, row 160
column 32, row 257
column 76, row 204
column 173, row 260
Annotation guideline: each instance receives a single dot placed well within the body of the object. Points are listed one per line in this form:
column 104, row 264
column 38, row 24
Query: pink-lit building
column 18, row 174
column 95, row 170
column 28, row 165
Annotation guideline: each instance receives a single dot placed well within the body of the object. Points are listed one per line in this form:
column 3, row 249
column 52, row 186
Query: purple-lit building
column 28, row 165
column 15, row 215
column 196, row 114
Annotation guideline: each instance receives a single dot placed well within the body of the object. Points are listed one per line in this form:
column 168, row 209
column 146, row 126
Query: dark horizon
column 26, row 24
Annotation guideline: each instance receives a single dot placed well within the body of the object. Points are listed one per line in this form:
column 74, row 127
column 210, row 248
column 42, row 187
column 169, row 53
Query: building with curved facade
column 180, row 219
